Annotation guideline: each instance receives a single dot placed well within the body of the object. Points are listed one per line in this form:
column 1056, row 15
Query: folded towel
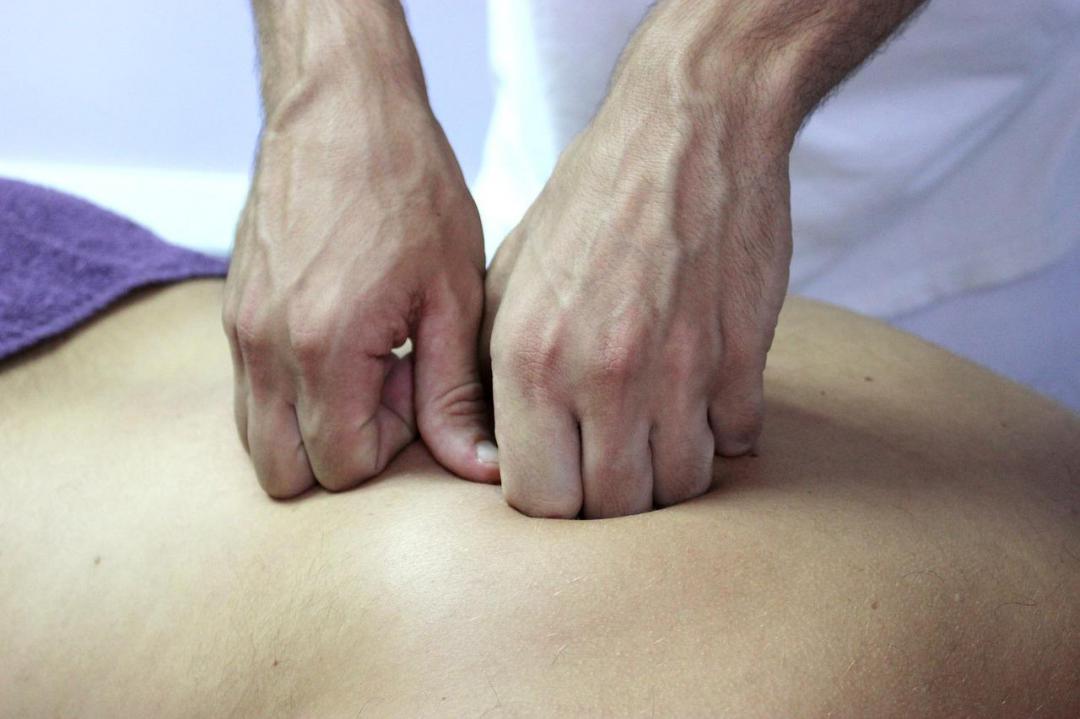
column 63, row 259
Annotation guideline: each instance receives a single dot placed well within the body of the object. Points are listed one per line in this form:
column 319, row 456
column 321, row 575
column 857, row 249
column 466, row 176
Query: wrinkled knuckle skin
column 531, row 364
column 463, row 403
column 309, row 341
column 613, row 365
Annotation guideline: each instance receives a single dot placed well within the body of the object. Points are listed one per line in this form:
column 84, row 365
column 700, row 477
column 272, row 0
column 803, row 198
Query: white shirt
column 949, row 161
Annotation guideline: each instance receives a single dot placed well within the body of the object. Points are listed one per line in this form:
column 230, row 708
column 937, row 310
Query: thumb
column 451, row 413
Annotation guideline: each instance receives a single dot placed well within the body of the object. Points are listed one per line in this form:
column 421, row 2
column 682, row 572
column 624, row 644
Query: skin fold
column 905, row 543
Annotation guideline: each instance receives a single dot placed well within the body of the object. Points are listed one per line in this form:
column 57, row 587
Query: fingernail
column 486, row 452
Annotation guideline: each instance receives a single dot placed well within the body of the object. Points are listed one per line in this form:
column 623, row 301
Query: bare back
column 907, row 543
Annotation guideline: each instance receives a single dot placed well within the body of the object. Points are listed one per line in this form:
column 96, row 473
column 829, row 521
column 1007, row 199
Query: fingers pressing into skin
column 737, row 413
column 451, row 413
column 350, row 433
column 617, row 476
column 240, row 384
column 277, row 450
column 540, row 452
column 682, row 453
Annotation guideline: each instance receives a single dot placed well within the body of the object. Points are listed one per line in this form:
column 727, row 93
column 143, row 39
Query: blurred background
column 152, row 110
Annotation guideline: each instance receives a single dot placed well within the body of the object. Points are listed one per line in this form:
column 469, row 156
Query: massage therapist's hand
column 631, row 310
column 358, row 233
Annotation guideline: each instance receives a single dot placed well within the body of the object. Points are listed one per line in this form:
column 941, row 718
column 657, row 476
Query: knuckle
column 309, row 339
column 251, row 333
column 462, row 403
column 612, row 364
column 531, row 361
column 619, row 353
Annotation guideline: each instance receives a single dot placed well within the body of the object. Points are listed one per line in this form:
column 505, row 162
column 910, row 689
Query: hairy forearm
column 352, row 52
column 762, row 66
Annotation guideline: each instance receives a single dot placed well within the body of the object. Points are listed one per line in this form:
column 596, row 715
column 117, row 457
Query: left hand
column 631, row 310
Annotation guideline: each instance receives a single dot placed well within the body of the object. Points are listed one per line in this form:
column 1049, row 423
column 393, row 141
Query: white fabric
column 950, row 161
column 1014, row 330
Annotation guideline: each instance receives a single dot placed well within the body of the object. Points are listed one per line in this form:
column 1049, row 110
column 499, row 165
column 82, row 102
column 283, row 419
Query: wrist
column 705, row 62
column 351, row 61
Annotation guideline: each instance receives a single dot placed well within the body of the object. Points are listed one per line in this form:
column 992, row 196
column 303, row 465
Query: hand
column 631, row 310
column 358, row 233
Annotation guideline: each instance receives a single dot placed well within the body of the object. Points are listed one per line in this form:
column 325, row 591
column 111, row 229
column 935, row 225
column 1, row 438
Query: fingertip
column 487, row 460
column 468, row 452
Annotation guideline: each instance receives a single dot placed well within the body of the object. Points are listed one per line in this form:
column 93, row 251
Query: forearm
column 761, row 66
column 355, row 53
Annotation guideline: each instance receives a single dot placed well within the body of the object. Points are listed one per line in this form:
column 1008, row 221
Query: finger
column 277, row 451
column 240, row 386
column 736, row 414
column 350, row 433
column 539, row 451
column 682, row 454
column 450, row 409
column 617, row 476
column 495, row 281
column 240, row 405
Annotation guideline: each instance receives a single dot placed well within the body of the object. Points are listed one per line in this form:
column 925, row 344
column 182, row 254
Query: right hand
column 358, row 232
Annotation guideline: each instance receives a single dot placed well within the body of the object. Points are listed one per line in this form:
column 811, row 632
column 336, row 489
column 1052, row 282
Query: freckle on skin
column 874, row 604
column 868, row 378
column 97, row 560
column 275, row 663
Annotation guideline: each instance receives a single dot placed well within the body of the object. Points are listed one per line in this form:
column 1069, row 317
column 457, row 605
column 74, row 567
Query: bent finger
column 682, row 451
column 617, row 476
column 277, row 451
column 736, row 414
column 350, row 433
column 539, row 452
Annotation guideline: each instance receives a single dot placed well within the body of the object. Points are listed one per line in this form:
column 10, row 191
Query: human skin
column 358, row 233
column 665, row 224
column 906, row 543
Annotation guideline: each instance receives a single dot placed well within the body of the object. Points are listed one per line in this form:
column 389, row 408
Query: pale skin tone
column 906, row 544
column 666, row 223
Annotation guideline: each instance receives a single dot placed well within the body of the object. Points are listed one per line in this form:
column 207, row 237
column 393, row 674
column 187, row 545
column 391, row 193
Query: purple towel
column 63, row 259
